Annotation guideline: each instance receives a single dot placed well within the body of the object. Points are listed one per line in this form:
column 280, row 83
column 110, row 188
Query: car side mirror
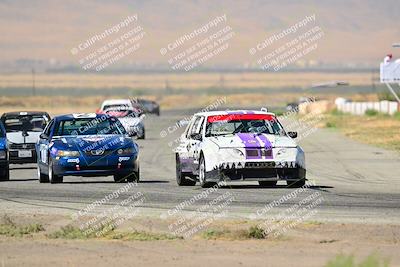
column 196, row 136
column 43, row 136
column 292, row 134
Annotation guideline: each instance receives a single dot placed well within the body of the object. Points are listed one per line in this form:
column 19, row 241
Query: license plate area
column 24, row 153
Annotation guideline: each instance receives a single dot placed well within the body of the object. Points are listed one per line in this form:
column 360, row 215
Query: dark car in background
column 148, row 106
column 23, row 130
column 4, row 165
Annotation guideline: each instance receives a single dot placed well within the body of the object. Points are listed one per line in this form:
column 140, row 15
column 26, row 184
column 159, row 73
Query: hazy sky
column 354, row 30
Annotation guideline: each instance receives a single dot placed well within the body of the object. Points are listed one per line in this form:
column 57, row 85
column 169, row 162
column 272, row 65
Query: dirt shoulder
column 308, row 244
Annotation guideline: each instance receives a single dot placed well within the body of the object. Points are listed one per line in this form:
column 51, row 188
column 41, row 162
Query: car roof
column 229, row 112
column 116, row 101
column 68, row 117
column 24, row 113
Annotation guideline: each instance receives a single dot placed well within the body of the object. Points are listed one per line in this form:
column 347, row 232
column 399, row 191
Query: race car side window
column 189, row 128
column 47, row 130
column 201, row 126
column 197, row 126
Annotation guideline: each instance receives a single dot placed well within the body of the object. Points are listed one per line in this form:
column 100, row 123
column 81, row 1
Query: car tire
column 143, row 136
column 203, row 174
column 118, row 178
column 43, row 178
column 267, row 183
column 296, row 183
column 53, row 179
column 133, row 177
column 5, row 174
column 181, row 179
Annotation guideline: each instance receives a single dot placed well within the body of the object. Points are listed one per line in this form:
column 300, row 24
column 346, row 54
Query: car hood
column 93, row 142
column 130, row 121
column 18, row 138
column 250, row 140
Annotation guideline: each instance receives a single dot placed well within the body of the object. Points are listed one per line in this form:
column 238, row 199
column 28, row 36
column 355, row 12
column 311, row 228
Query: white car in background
column 23, row 130
column 126, row 104
column 238, row 145
column 128, row 113
column 132, row 121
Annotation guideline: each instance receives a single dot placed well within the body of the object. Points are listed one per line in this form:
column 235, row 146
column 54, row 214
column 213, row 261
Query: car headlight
column 238, row 152
column 68, row 153
column 281, row 151
column 126, row 151
column 3, row 154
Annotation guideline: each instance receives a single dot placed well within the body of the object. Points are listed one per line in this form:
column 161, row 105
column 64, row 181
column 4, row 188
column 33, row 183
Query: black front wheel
column 181, row 179
column 53, row 178
column 43, row 178
column 133, row 177
column 204, row 183
column 296, row 183
column 5, row 174
column 267, row 183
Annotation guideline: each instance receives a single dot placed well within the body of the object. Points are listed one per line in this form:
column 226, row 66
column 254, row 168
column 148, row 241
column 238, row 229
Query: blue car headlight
column 126, row 151
column 67, row 153
column 3, row 154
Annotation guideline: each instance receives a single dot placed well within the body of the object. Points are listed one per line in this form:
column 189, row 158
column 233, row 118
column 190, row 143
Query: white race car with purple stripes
column 238, row 145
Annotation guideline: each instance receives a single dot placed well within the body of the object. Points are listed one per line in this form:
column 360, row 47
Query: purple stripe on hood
column 267, row 145
column 250, row 141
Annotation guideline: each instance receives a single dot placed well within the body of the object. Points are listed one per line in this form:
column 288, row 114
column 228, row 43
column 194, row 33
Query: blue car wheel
column 133, row 177
column 53, row 178
column 43, row 178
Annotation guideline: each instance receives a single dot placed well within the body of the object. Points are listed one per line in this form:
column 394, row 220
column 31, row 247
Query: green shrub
column 107, row 231
column 371, row 112
column 330, row 124
column 10, row 228
column 397, row 115
column 386, row 95
column 337, row 112
column 348, row 261
column 256, row 232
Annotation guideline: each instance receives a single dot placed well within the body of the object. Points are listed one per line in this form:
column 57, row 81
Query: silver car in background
column 130, row 119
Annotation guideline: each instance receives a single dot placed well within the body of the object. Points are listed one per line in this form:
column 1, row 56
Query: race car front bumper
column 80, row 166
column 257, row 171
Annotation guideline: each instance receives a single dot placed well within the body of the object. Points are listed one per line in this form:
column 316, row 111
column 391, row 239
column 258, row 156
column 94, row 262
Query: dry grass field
column 73, row 104
column 65, row 93
column 380, row 130
column 183, row 80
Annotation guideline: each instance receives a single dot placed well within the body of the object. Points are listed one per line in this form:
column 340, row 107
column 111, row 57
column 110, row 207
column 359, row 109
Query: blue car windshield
column 89, row 126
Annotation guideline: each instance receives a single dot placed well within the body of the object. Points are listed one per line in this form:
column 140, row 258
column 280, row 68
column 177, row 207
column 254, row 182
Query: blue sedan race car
column 4, row 163
column 86, row 145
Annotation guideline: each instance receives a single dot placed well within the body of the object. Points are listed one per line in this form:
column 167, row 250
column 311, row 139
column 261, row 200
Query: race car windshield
column 122, row 113
column 257, row 126
column 89, row 126
column 116, row 106
column 25, row 123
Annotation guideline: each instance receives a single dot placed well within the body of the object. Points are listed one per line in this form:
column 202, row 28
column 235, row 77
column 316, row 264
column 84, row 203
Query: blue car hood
column 93, row 142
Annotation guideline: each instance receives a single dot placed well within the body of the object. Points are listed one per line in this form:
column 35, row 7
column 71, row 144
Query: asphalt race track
column 357, row 182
